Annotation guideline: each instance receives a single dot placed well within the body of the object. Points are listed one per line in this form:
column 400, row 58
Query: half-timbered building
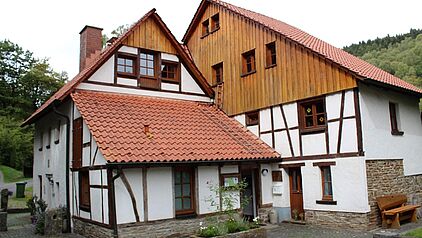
column 133, row 145
column 347, row 131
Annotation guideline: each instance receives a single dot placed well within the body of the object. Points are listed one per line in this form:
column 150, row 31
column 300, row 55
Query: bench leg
column 384, row 221
column 414, row 217
column 396, row 222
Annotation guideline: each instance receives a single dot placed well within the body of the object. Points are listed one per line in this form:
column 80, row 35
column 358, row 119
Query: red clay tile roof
column 338, row 56
column 101, row 58
column 180, row 130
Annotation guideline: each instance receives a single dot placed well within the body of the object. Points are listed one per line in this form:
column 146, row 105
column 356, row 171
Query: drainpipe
column 116, row 234
column 67, row 164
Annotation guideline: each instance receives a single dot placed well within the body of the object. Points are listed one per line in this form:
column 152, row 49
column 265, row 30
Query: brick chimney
column 91, row 42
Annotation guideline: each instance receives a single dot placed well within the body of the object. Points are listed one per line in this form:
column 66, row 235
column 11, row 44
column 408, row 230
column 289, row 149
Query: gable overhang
column 396, row 89
column 68, row 88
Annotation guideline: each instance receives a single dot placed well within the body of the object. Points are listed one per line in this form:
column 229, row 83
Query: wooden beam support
column 131, row 194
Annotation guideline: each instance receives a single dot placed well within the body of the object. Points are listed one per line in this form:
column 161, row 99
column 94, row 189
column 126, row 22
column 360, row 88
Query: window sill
column 248, row 73
column 209, row 33
column 173, row 81
column 186, row 216
column 397, row 133
column 270, row 66
column 123, row 75
column 326, row 202
column 205, row 35
column 313, row 130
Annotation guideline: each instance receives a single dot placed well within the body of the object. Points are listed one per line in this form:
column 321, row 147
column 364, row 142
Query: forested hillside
column 400, row 55
column 25, row 83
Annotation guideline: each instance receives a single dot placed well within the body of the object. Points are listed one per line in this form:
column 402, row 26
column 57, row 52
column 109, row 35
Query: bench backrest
column 391, row 201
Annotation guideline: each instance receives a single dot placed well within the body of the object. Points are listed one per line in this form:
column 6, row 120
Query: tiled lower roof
column 179, row 131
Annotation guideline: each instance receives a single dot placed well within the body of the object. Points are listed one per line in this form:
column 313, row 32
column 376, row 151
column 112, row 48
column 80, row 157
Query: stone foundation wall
column 386, row 177
column 333, row 219
column 264, row 213
column 90, row 230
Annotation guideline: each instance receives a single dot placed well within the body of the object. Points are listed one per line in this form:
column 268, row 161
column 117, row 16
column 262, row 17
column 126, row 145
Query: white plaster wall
column 314, row 144
column 188, row 83
column 160, row 193
column 170, row 57
column 152, row 93
column 332, row 105
column 254, row 130
column 241, row 119
column 349, row 104
column 105, row 74
column 267, row 138
column 349, row 136
column 124, row 208
column 128, row 49
column 266, row 185
column 377, row 139
column 97, row 159
column 290, row 111
column 282, row 144
column 229, row 169
column 333, row 136
column 265, row 119
column 127, row 82
column 278, row 118
column 208, row 180
column 170, row 86
column 349, row 186
column 96, row 205
column 282, row 200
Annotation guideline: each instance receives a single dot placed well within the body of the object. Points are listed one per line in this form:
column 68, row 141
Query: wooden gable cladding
column 148, row 35
column 298, row 74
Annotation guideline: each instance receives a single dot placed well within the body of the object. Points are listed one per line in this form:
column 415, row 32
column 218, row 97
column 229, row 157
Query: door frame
column 253, row 170
column 300, row 184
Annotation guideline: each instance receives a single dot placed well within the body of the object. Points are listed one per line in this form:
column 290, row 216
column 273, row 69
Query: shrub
column 209, row 231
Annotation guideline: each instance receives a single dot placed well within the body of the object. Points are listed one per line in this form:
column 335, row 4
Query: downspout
column 67, row 164
column 115, row 231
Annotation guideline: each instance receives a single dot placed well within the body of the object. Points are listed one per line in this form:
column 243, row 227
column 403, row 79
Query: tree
column 120, row 30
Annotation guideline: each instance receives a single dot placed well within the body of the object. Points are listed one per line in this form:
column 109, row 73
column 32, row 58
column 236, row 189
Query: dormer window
column 126, row 65
column 205, row 27
column 169, row 71
column 147, row 64
column 215, row 22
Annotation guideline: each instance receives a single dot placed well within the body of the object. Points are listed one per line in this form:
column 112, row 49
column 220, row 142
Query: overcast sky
column 50, row 28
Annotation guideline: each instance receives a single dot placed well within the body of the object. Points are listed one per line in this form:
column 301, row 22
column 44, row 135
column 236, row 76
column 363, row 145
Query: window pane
column 309, row 121
column 143, row 56
column 120, row 68
column 177, row 177
column 186, row 203
column 150, row 72
column 321, row 120
column 186, row 189
column 164, row 74
column 150, row 57
column 320, row 107
column 186, row 177
column 143, row 63
column 120, row 61
column 143, row 71
column 171, row 76
column 178, row 203
column 308, row 110
column 129, row 70
column 178, row 190
column 129, row 62
column 150, row 64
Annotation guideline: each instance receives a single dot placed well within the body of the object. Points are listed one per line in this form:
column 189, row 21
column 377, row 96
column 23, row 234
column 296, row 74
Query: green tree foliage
column 120, row 30
column 400, row 55
column 25, row 83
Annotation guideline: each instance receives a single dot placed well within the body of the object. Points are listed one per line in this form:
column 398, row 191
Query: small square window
column 169, row 71
column 252, row 118
column 271, row 58
column 147, row 62
column 215, row 22
column 312, row 115
column 248, row 62
column 205, row 27
column 218, row 73
column 126, row 65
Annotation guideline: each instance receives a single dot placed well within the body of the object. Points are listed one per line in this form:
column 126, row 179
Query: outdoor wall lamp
column 264, row 172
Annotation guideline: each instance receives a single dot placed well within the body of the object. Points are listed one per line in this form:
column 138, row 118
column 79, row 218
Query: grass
column 415, row 233
column 20, row 202
column 11, row 175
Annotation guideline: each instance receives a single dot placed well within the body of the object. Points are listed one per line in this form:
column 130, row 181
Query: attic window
column 205, row 27
column 147, row 64
column 218, row 73
column 270, row 55
column 170, row 71
column 252, row 118
column 126, row 65
column 215, row 22
column 248, row 63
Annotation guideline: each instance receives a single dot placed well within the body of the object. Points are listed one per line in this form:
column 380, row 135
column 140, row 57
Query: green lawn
column 20, row 202
column 415, row 233
column 11, row 175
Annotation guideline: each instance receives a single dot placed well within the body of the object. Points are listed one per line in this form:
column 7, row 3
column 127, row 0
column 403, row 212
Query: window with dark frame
column 271, row 59
column 277, row 176
column 84, row 190
column 248, row 62
column 184, row 190
column 395, row 130
column 218, row 73
column 77, row 143
column 312, row 115
column 147, row 64
column 327, row 188
column 169, row 71
column 41, row 142
column 215, row 22
column 126, row 65
column 252, row 118
column 48, row 146
column 205, row 27
column 57, row 133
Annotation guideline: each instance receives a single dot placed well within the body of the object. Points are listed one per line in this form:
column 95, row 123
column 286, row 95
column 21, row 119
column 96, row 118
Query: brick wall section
column 90, row 43
column 337, row 220
column 89, row 230
column 386, row 177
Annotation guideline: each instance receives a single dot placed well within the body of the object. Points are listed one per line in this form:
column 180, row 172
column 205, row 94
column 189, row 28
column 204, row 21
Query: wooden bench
column 394, row 209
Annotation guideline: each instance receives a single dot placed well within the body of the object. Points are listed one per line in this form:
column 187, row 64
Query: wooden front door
column 296, row 196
